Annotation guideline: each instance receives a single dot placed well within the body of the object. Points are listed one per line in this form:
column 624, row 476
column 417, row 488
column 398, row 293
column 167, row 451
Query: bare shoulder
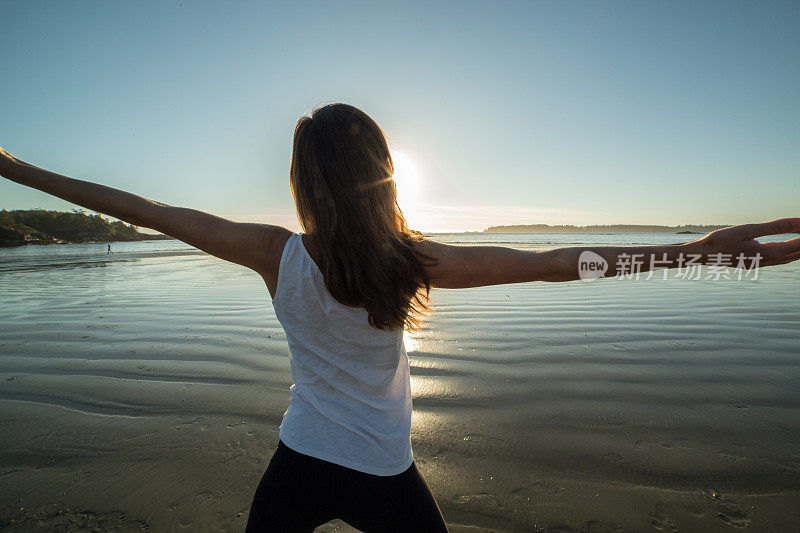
column 426, row 246
column 443, row 268
column 273, row 241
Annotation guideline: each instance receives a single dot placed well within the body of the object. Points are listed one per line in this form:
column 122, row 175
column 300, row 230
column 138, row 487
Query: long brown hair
column 341, row 180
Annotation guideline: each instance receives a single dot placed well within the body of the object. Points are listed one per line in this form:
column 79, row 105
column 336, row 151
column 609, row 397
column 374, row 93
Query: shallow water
column 144, row 389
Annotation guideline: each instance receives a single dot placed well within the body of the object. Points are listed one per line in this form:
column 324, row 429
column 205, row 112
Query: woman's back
column 351, row 398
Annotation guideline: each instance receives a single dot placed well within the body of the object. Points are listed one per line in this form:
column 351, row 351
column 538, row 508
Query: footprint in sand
column 735, row 515
column 730, row 455
column 731, row 512
column 535, row 486
column 662, row 524
column 614, row 458
column 206, row 497
column 484, row 440
column 235, row 425
column 480, row 498
column 187, row 425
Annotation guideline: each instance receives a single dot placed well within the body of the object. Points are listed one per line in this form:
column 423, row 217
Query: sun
column 406, row 177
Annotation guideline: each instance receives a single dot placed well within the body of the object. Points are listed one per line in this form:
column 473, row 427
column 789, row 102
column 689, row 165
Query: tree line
column 40, row 226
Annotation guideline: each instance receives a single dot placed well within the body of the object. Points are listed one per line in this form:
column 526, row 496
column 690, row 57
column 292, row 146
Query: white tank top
column 350, row 402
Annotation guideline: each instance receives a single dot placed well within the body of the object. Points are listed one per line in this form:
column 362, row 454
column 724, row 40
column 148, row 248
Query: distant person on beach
column 109, row 249
column 344, row 291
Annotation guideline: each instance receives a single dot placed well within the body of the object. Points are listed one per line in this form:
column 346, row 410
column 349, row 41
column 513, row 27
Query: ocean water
column 144, row 389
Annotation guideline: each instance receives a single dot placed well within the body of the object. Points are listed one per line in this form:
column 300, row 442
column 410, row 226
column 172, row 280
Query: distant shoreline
column 36, row 242
column 688, row 229
column 39, row 226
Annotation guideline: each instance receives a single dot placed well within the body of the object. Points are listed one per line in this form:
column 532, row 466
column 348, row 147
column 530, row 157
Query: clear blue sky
column 528, row 112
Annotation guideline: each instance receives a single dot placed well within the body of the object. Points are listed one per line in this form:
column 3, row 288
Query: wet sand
column 144, row 392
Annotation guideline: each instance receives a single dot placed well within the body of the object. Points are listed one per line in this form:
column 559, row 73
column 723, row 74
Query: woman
column 344, row 291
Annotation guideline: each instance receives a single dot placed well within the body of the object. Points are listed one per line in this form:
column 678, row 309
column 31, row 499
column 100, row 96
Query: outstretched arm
column 257, row 246
column 474, row 266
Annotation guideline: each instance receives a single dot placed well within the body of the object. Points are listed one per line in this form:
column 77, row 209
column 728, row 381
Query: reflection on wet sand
column 148, row 394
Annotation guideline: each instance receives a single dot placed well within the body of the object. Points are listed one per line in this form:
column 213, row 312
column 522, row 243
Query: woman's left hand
column 741, row 241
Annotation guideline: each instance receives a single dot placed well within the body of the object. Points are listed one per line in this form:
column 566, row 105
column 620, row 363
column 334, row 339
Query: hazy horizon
column 295, row 226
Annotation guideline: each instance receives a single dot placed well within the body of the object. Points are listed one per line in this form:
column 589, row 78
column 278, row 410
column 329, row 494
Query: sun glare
column 411, row 341
column 407, row 179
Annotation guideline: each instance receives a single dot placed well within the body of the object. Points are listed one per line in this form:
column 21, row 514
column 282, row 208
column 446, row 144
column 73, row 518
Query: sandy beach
column 143, row 391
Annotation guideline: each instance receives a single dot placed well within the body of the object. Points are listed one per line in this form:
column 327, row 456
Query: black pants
column 299, row 493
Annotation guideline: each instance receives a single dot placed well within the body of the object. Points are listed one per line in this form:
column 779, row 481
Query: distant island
column 38, row 226
column 612, row 228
